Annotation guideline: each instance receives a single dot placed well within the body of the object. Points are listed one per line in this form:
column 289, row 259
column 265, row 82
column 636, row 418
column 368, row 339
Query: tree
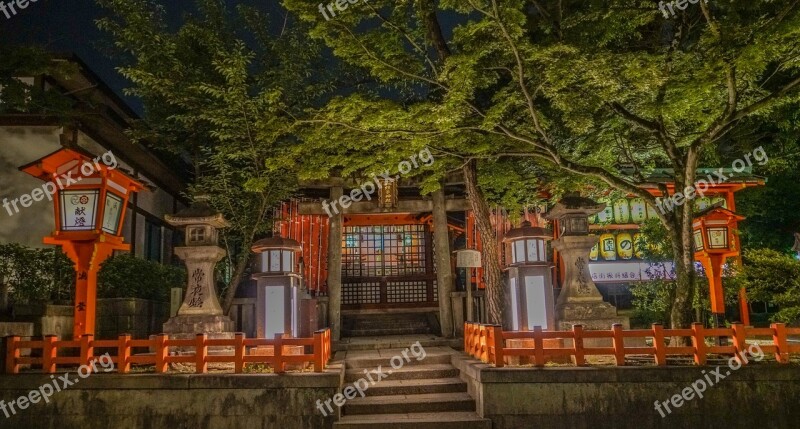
column 604, row 90
column 221, row 89
column 774, row 277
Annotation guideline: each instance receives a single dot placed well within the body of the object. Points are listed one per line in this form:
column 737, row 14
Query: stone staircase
column 424, row 394
column 371, row 325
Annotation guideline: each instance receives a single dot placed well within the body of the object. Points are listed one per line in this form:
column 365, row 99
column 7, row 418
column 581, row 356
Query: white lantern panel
column 536, row 302
column 287, row 261
column 111, row 215
column 533, row 250
column 79, row 209
column 275, row 260
column 519, row 247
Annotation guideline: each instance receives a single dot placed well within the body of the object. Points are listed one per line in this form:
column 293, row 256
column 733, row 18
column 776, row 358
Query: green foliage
column 774, row 277
column 126, row 276
column 35, row 275
column 23, row 97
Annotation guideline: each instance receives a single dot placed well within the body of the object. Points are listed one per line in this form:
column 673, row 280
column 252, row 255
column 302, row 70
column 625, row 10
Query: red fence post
column 161, row 353
column 498, row 344
column 200, row 353
column 87, row 349
column 319, row 351
column 739, row 342
column 538, row 346
column 238, row 352
column 699, row 343
column 49, row 353
column 660, row 354
column 12, row 354
column 280, row 366
column 124, row 354
column 781, row 344
column 577, row 345
column 619, row 344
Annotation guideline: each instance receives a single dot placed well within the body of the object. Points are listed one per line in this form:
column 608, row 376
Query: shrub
column 125, row 276
column 773, row 277
column 35, row 275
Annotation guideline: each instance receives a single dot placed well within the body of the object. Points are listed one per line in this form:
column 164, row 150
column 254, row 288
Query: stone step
column 370, row 361
column 398, row 404
column 414, row 372
column 448, row 420
column 417, row 387
column 395, row 330
column 394, row 341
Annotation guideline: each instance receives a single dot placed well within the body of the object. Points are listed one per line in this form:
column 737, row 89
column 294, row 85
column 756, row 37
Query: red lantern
column 714, row 241
column 89, row 201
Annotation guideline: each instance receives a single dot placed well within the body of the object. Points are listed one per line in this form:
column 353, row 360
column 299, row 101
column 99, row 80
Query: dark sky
column 68, row 26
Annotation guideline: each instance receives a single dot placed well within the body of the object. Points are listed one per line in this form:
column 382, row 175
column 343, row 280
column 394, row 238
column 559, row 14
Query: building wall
column 20, row 145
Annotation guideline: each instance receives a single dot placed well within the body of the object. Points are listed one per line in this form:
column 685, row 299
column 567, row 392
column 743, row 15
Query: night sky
column 68, row 26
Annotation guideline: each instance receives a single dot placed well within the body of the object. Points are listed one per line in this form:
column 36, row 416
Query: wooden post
column 280, row 366
column 498, row 344
column 200, row 354
column 335, row 266
column 781, row 343
column 319, row 351
column 444, row 270
column 12, row 354
column 658, row 343
column 238, row 352
column 87, row 349
column 161, row 353
column 577, row 345
column 699, row 343
column 49, row 353
column 739, row 342
column 124, row 354
column 619, row 344
column 538, row 346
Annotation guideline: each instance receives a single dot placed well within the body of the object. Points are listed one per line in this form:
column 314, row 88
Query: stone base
column 186, row 327
column 594, row 316
column 198, row 324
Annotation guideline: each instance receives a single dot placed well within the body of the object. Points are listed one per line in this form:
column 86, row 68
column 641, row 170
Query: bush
column 773, row 277
column 35, row 275
column 125, row 276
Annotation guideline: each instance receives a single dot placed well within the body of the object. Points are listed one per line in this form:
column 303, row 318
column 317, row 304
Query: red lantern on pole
column 89, row 202
column 714, row 241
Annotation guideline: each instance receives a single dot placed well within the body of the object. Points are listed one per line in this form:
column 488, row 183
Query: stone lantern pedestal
column 200, row 312
column 580, row 303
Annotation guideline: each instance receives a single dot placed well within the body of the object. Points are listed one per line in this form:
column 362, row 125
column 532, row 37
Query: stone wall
column 759, row 395
column 175, row 401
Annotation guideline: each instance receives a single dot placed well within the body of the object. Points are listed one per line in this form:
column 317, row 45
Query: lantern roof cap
column 66, row 159
column 525, row 230
column 717, row 209
column 273, row 243
column 199, row 212
column 574, row 205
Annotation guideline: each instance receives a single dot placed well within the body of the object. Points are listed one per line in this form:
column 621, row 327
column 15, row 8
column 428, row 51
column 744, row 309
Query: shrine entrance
column 387, row 263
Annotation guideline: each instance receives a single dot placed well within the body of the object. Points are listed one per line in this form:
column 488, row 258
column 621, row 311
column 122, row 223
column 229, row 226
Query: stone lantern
column 277, row 285
column 579, row 303
column 200, row 312
column 529, row 286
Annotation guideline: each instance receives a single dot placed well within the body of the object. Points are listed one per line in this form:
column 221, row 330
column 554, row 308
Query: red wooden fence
column 242, row 352
column 488, row 343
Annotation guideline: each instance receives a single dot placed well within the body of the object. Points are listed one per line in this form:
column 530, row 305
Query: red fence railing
column 488, row 343
column 244, row 352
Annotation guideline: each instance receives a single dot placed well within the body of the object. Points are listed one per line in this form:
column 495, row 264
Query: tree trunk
column 685, row 276
column 241, row 266
column 495, row 302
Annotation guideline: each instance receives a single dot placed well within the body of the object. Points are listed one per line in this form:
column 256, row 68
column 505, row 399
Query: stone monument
column 580, row 303
column 200, row 312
